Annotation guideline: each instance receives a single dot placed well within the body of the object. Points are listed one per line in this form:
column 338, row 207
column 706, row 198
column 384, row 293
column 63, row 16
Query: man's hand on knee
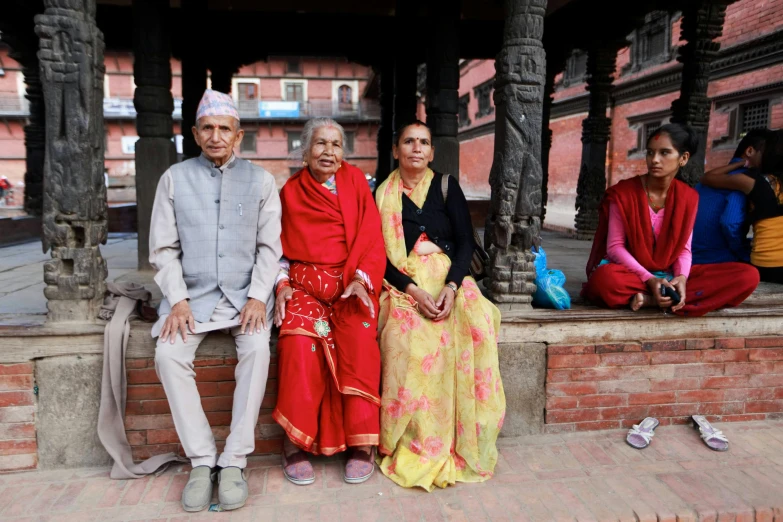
column 253, row 317
column 180, row 319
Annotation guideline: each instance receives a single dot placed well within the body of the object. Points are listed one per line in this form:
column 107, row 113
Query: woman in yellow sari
column 442, row 401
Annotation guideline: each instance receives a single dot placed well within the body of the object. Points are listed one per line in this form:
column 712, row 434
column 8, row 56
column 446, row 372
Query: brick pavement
column 591, row 476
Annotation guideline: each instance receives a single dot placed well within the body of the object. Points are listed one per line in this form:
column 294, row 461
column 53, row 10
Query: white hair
column 309, row 130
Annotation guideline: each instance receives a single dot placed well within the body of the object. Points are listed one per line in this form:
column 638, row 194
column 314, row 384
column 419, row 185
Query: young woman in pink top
column 643, row 242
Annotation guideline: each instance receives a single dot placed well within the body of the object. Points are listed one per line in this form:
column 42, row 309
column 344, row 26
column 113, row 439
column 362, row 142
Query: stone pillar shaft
column 405, row 73
column 221, row 75
column 596, row 129
column 386, row 127
column 75, row 209
column 546, row 138
column 34, row 131
column 702, row 23
column 514, row 219
column 443, row 84
column 155, row 152
column 194, row 72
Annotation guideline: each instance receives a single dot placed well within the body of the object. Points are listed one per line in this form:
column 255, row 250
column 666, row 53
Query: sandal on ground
column 641, row 434
column 713, row 438
column 360, row 466
column 297, row 468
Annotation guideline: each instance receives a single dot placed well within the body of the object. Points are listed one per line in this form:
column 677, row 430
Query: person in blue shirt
column 721, row 229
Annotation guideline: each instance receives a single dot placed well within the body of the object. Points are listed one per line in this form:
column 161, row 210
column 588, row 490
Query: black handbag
column 479, row 263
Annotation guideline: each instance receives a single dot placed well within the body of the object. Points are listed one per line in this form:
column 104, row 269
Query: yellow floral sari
column 442, row 401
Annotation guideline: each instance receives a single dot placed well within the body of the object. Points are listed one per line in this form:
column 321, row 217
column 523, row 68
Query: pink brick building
column 319, row 86
column 746, row 88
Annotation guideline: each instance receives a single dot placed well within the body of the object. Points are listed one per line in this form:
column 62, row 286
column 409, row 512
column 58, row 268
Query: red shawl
column 329, row 231
column 631, row 199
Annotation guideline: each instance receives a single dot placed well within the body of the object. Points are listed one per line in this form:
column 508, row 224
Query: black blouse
column 447, row 225
column 766, row 197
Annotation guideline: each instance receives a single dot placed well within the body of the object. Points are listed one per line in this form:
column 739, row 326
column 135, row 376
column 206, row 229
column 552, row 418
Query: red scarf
column 342, row 231
column 632, row 202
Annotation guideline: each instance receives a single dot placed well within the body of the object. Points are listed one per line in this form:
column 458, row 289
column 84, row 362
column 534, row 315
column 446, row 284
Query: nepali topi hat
column 215, row 103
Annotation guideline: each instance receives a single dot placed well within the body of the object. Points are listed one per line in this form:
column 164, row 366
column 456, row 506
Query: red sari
column 708, row 288
column 329, row 362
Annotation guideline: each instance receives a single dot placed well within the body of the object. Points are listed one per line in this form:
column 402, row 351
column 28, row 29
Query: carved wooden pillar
column 155, row 152
column 75, row 209
column 405, row 66
column 702, row 23
column 514, row 218
column 546, row 135
column 443, row 84
column 194, row 71
column 35, row 130
column 596, row 129
column 386, row 127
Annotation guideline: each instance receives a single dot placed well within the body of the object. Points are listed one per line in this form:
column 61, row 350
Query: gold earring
column 304, row 163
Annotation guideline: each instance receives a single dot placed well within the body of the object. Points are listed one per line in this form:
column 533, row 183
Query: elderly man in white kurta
column 215, row 244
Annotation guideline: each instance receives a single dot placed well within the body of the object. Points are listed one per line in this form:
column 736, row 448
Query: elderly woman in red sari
column 643, row 242
column 329, row 363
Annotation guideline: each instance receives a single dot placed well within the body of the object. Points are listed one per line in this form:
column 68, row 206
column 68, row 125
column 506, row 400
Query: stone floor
column 21, row 272
column 585, row 476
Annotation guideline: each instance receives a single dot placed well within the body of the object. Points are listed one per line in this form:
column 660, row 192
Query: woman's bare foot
column 640, row 300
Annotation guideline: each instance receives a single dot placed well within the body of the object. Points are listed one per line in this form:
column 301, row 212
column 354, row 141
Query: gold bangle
column 360, row 280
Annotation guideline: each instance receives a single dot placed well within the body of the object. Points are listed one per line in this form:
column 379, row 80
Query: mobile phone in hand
column 667, row 291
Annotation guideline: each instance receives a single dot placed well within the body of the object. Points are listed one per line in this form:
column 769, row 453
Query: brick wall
column 565, row 156
column 18, row 447
column 475, row 162
column 148, row 421
column 605, row 386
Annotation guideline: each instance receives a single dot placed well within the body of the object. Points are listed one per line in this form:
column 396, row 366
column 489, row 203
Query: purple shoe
column 714, row 439
column 641, row 434
column 297, row 469
column 359, row 467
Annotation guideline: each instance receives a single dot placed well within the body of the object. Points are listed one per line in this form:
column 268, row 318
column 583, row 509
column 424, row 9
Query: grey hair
column 309, row 130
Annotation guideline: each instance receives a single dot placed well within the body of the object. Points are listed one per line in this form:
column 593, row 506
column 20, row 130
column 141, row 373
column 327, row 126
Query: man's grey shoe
column 198, row 491
column 232, row 488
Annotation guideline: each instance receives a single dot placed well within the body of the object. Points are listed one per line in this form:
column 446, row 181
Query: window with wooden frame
column 345, row 95
column 650, row 44
column 247, row 91
column 248, row 143
column 294, row 140
column 350, row 138
column 294, row 91
column 747, row 110
column 463, row 118
column 645, row 125
column 293, row 65
column 575, row 69
column 483, row 94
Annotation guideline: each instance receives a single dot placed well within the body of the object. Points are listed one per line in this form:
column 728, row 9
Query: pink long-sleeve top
column 618, row 253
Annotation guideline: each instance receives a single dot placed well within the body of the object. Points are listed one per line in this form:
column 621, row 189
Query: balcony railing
column 273, row 109
column 123, row 108
column 15, row 105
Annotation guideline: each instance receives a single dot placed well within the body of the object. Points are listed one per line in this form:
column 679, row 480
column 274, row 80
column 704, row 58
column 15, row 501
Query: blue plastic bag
column 550, row 291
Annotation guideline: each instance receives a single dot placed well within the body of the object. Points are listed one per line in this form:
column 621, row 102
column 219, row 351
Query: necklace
column 655, row 207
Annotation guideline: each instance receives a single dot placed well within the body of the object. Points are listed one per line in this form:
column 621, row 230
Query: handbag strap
column 444, row 186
